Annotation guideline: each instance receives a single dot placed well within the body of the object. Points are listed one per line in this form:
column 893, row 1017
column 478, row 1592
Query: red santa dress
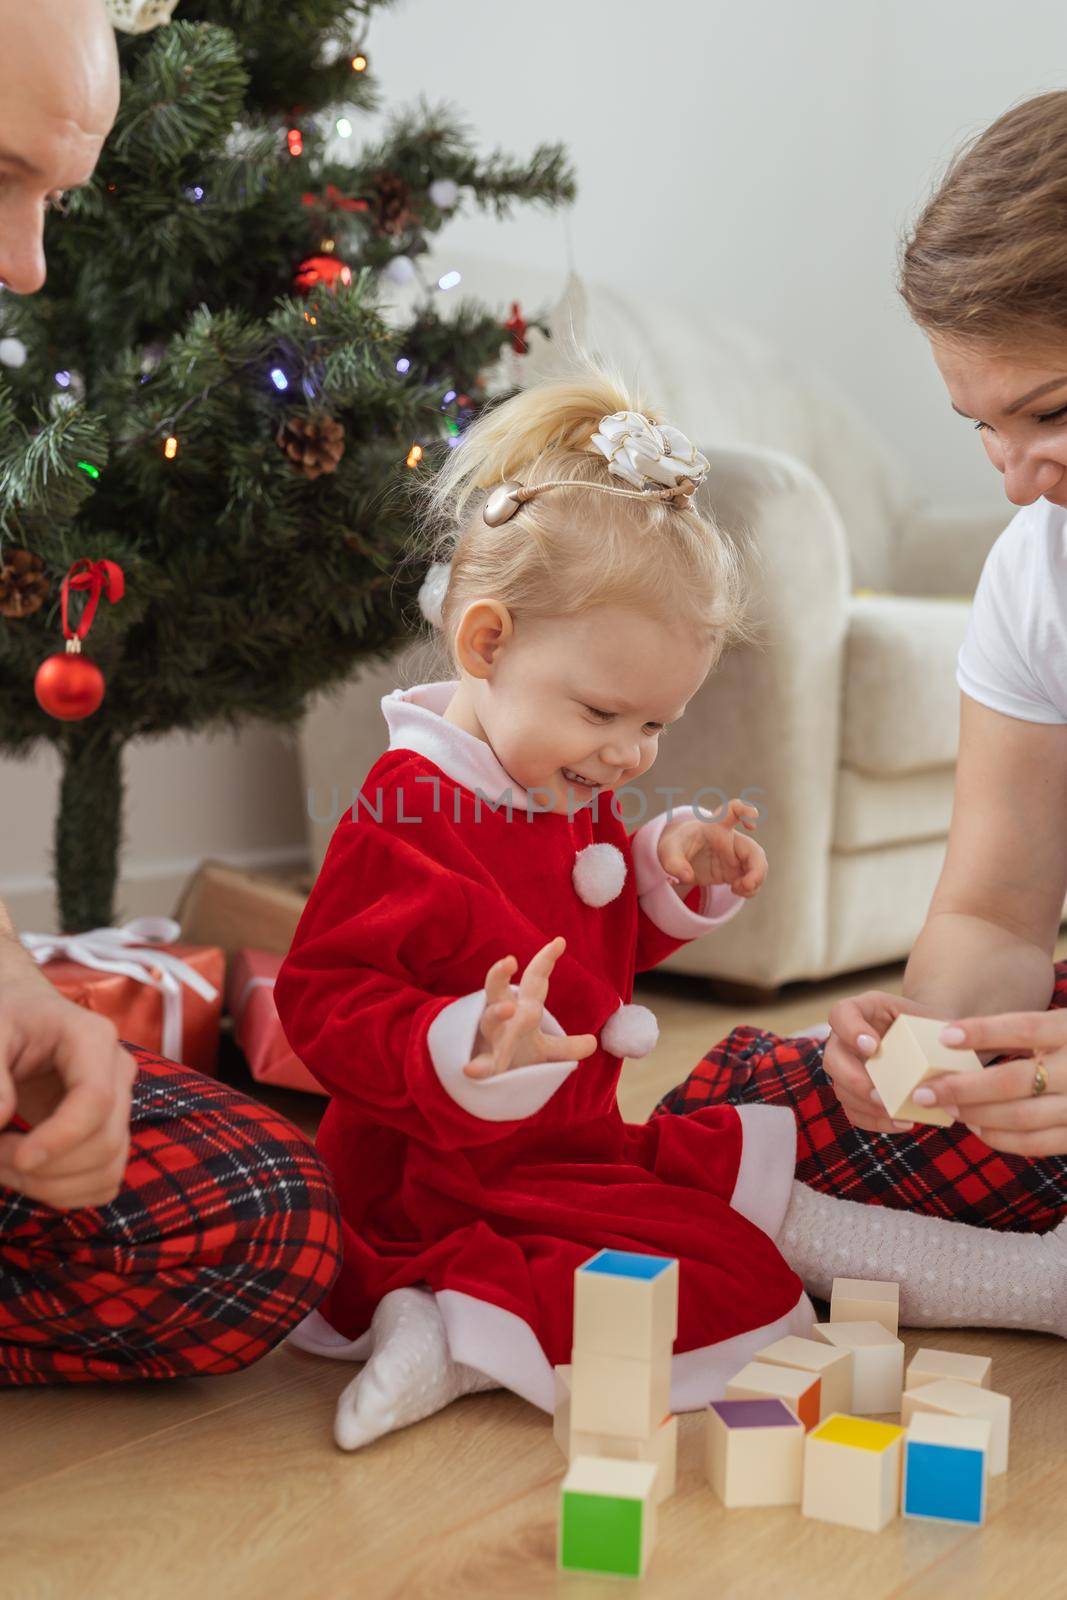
column 492, row 1192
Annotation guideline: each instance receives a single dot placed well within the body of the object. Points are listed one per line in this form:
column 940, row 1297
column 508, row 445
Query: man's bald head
column 59, row 92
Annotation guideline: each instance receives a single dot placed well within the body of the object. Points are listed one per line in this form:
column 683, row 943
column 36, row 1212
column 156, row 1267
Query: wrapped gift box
column 161, row 993
column 236, row 909
column 257, row 1026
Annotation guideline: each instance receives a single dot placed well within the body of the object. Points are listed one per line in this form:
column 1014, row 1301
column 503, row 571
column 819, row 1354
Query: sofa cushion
column 900, row 708
column 873, row 811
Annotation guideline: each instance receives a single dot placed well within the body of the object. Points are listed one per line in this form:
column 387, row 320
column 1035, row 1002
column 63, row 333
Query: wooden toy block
column 877, row 1364
column 833, row 1368
column 626, row 1305
column 561, row 1410
column 617, row 1395
column 946, row 1468
column 930, row 1366
column 852, row 1473
column 909, row 1053
column 661, row 1449
column 866, row 1300
column 952, row 1398
column 607, row 1520
column 754, row 1453
column 800, row 1390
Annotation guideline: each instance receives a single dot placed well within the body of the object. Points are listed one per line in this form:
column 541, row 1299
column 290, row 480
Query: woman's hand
column 63, row 1071
column 510, row 1033
column 857, row 1027
column 714, row 852
column 999, row 1104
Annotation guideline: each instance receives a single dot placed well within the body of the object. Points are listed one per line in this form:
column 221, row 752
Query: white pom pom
column 444, row 192
column 12, row 352
column 400, row 270
column 631, row 1032
column 433, row 590
column 599, row 873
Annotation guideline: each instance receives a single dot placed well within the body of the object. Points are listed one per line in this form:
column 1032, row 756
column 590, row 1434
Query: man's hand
column 63, row 1071
column 714, row 852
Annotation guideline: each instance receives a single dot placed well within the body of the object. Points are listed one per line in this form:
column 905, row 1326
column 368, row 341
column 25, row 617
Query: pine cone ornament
column 23, row 585
column 390, row 204
column 314, row 446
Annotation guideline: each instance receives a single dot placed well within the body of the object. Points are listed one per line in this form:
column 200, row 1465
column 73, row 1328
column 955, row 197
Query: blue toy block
column 946, row 1469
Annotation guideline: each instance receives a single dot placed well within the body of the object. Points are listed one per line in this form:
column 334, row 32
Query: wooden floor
column 231, row 1488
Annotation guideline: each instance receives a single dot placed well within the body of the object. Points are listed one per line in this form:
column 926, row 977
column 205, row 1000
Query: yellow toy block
column 754, row 1452
column 852, row 1473
column 617, row 1395
column 952, row 1398
column 626, row 1304
column 661, row 1449
column 760, row 1380
column 866, row 1300
column 833, row 1368
column 909, row 1053
column 561, row 1410
column 877, row 1364
column 930, row 1366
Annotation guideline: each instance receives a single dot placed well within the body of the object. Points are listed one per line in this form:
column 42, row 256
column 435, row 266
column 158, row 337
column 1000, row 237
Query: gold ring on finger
column 1040, row 1076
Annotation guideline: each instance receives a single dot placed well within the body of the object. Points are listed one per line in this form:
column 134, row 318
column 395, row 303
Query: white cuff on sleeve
column 519, row 1093
column 657, row 896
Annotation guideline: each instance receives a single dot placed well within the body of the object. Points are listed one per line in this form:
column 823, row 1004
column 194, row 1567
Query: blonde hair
column 987, row 259
column 566, row 551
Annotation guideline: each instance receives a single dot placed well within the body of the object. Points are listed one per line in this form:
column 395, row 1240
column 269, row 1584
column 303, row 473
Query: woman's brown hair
column 987, row 259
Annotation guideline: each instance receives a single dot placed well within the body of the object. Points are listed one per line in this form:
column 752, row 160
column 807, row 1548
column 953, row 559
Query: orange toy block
column 877, row 1364
column 833, row 1368
column 852, row 1473
column 865, row 1300
column 952, row 1398
column 910, row 1053
column 800, row 1390
column 930, row 1366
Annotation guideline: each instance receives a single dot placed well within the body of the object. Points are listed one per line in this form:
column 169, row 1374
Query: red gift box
column 257, row 1026
column 161, row 994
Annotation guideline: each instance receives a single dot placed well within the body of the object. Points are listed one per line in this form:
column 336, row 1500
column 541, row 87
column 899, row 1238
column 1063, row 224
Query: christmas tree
column 208, row 396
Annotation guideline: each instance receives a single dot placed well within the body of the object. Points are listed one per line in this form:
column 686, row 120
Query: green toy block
column 607, row 1520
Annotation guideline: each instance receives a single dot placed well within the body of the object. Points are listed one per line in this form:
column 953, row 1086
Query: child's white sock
column 409, row 1375
column 950, row 1274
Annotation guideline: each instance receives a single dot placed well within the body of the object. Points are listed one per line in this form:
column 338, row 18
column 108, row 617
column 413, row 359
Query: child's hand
column 510, row 1034
column 714, row 852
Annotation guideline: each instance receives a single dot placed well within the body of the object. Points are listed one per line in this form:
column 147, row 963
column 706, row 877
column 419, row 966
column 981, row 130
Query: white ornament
column 647, row 456
column 400, row 270
column 599, row 873
column 139, row 16
column 12, row 352
column 432, row 592
column 630, row 1033
column 444, row 192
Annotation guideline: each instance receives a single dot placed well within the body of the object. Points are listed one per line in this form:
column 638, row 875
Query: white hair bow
column 139, row 16
column 648, row 455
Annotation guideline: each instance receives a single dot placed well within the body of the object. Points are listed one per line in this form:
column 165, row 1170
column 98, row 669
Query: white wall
column 757, row 158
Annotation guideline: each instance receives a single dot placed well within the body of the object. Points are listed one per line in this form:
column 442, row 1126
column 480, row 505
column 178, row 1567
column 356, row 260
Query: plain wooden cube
column 607, row 1520
column 626, row 1304
column 561, row 1410
column 833, row 1368
column 946, row 1468
column 661, row 1449
column 754, row 1452
column 800, row 1390
column 865, row 1300
column 955, row 1399
column 930, row 1366
column 909, row 1053
column 852, row 1473
column 618, row 1395
column 877, row 1364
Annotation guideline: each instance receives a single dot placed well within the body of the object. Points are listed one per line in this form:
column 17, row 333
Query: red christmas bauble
column 321, row 272
column 69, row 687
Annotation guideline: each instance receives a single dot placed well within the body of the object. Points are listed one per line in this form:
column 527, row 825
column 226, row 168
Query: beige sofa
column 844, row 714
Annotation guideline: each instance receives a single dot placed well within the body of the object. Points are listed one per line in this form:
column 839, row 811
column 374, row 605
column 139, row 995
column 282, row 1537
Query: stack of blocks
column 612, row 1405
column 794, row 1427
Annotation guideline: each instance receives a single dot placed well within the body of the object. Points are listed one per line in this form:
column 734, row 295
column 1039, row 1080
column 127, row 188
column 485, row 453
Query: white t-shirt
column 1014, row 657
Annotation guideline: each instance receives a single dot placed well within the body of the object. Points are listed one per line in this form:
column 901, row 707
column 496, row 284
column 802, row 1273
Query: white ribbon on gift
column 132, row 950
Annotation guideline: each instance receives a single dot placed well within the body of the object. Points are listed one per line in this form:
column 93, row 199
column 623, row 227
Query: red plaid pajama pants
column 942, row 1172
column 224, row 1236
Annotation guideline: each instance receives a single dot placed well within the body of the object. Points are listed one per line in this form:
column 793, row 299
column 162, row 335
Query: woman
column 984, row 274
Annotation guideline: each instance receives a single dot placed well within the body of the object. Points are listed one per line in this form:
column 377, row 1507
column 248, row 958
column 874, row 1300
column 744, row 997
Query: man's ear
column 484, row 629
